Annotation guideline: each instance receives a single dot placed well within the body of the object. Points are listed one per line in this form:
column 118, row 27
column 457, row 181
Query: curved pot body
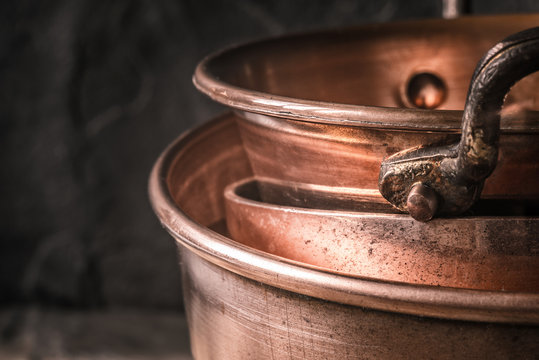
column 233, row 317
column 243, row 303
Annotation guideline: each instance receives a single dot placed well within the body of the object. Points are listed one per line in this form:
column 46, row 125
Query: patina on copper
column 456, row 172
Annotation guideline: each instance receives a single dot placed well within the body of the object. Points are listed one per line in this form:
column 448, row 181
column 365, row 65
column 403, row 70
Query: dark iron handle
column 447, row 180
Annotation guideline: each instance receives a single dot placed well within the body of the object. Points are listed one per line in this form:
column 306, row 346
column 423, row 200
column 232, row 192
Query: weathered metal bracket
column 447, row 180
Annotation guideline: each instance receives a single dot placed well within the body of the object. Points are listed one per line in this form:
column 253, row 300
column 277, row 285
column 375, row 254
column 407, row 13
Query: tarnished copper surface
column 243, row 303
column 233, row 317
column 479, row 252
column 350, row 89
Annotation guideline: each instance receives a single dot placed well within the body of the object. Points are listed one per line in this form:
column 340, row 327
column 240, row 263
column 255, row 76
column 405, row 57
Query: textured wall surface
column 91, row 92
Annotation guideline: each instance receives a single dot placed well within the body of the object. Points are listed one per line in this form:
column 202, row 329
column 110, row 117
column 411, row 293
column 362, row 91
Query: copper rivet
column 426, row 91
column 422, row 202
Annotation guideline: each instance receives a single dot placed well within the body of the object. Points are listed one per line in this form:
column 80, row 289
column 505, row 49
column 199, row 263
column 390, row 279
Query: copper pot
column 327, row 108
column 243, row 303
column 360, row 234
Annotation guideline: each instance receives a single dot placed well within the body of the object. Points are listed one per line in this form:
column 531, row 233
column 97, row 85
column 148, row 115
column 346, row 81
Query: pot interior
column 425, row 64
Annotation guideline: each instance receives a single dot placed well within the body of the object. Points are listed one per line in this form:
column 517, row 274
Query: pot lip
column 230, row 194
column 253, row 101
column 431, row 301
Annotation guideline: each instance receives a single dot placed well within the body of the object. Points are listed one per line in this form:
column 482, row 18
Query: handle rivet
column 422, row 202
column 426, row 91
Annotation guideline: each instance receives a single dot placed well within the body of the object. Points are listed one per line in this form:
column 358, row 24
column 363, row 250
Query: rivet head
column 426, row 91
column 422, row 202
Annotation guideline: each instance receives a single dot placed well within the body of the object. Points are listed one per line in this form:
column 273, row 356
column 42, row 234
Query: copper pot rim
column 422, row 300
column 231, row 194
column 326, row 112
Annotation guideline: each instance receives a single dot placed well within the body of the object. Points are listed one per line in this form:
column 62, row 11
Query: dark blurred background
column 90, row 93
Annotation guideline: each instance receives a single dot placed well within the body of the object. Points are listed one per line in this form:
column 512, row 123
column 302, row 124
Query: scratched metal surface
column 232, row 317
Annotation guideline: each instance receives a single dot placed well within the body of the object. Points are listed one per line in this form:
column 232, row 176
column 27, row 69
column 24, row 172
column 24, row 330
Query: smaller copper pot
column 243, row 303
column 315, row 227
column 327, row 108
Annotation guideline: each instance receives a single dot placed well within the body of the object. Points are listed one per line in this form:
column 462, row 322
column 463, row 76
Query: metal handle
column 447, row 180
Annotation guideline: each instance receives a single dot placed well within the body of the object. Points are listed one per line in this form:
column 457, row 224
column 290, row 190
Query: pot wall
column 232, row 317
column 349, row 156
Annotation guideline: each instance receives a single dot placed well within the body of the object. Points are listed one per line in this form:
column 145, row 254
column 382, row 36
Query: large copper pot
column 360, row 234
column 243, row 303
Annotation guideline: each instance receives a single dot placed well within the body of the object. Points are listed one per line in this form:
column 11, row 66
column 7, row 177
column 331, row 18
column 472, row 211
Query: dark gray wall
column 91, row 92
